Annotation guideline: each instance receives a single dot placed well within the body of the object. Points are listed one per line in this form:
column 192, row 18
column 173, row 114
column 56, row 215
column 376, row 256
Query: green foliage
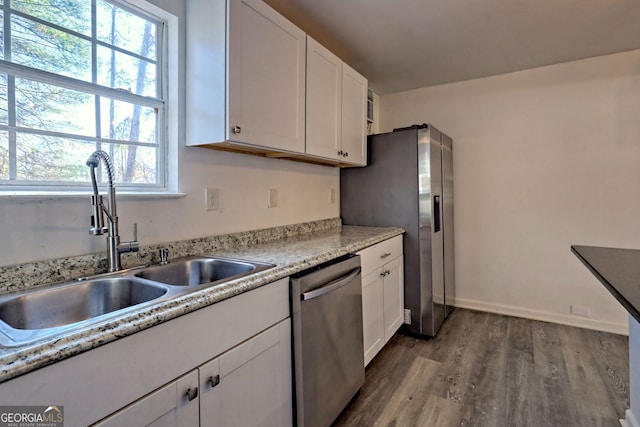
column 37, row 44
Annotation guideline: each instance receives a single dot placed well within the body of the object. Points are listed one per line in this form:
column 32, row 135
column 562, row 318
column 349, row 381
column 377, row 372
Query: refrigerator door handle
column 436, row 214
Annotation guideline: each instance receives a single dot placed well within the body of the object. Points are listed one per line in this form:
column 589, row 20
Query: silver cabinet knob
column 237, row 129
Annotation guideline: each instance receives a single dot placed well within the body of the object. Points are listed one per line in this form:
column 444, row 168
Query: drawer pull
column 191, row 393
column 385, row 255
column 214, row 380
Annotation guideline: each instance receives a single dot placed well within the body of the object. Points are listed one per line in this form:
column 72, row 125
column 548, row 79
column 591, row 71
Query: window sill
column 56, row 195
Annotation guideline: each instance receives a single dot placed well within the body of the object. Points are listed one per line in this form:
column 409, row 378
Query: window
column 78, row 76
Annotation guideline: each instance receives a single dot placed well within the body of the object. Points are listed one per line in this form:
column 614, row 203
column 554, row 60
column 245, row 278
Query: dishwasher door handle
column 331, row 286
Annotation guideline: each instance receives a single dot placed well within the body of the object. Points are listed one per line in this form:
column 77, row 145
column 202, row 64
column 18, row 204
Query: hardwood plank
column 520, row 373
column 612, row 364
column 407, row 403
column 484, row 403
column 590, row 390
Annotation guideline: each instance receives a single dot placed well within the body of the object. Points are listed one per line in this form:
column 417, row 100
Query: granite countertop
column 290, row 255
column 618, row 270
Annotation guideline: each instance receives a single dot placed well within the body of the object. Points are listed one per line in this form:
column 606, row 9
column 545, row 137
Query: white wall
column 33, row 230
column 543, row 159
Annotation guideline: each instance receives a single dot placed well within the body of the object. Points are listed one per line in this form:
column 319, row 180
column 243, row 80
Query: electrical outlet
column 407, row 316
column 332, row 195
column 273, row 197
column 578, row 310
column 212, row 199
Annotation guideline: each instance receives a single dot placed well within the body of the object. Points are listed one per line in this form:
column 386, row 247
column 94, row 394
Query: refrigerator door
column 431, row 264
column 447, row 218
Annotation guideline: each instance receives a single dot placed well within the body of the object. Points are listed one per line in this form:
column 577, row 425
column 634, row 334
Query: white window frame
column 167, row 59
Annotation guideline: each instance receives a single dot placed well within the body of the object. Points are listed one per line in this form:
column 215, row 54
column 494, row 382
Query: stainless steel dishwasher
column 326, row 306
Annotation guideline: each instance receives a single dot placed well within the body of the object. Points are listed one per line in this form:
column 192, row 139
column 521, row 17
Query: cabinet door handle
column 214, row 380
column 385, row 255
column 237, row 129
column 191, row 393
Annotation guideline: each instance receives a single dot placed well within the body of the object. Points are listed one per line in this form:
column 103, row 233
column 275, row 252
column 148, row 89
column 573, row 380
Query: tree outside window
column 77, row 76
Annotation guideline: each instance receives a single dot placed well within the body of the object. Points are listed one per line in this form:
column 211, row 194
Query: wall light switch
column 212, row 199
column 273, row 198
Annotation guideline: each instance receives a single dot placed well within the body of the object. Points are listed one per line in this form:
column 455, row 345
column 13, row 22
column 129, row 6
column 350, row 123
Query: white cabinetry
column 250, row 385
column 336, row 108
column 245, row 77
column 142, row 368
column 255, row 374
column 382, row 294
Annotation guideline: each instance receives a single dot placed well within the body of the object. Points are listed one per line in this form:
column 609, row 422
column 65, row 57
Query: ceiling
column 406, row 44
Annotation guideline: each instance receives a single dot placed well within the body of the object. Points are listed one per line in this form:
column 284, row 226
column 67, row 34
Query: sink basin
column 194, row 271
column 73, row 303
column 24, row 316
column 35, row 314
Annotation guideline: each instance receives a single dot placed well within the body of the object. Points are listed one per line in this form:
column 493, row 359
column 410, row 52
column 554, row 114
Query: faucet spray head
column 97, row 208
column 97, row 219
column 93, row 161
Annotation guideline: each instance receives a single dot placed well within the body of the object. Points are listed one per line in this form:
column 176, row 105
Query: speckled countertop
column 290, row 254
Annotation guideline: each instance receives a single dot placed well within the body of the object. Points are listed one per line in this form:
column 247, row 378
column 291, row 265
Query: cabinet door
column 372, row 312
column 169, row 406
column 266, row 77
column 250, row 385
column 324, row 101
column 354, row 116
column 393, row 297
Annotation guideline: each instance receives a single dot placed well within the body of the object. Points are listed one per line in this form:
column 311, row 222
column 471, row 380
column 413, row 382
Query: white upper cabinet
column 354, row 116
column 255, row 83
column 324, row 101
column 245, row 76
column 336, row 108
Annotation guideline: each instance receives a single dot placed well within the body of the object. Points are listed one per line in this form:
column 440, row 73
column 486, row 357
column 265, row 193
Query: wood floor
column 484, row 369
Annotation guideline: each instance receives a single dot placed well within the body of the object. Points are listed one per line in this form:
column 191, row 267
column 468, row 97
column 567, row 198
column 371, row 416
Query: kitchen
column 544, row 159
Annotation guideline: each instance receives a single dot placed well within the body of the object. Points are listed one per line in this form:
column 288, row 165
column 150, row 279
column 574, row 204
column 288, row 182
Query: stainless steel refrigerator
column 408, row 183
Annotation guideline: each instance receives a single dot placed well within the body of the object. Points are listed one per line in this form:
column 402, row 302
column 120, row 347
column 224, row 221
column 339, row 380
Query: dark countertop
column 618, row 270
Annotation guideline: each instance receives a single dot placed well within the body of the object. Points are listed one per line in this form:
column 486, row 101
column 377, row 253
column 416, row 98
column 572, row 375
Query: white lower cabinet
column 382, row 294
column 249, row 385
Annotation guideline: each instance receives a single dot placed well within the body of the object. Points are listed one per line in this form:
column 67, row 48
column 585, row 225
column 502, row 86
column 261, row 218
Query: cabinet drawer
column 377, row 255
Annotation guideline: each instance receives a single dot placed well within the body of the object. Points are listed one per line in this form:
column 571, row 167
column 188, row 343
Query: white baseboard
column 629, row 420
column 580, row 322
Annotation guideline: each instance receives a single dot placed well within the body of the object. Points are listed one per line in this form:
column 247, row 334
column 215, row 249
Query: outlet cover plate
column 212, row 199
column 273, row 198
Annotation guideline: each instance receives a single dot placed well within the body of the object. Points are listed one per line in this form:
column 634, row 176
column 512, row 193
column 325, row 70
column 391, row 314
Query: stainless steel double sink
column 36, row 314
